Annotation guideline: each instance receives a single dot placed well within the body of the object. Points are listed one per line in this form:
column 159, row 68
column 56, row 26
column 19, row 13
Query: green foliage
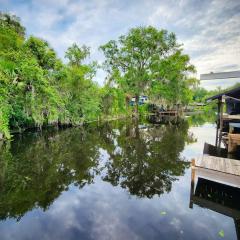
column 199, row 94
column 113, row 101
column 76, row 54
column 4, row 112
column 149, row 61
column 37, row 88
column 13, row 22
column 45, row 56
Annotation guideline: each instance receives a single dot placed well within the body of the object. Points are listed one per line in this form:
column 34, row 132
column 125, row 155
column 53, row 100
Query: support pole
column 218, row 123
column 221, row 122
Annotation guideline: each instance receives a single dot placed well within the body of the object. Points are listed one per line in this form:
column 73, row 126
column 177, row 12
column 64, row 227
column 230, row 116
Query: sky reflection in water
column 108, row 182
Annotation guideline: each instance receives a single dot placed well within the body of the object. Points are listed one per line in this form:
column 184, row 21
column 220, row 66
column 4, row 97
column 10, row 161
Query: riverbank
column 35, row 128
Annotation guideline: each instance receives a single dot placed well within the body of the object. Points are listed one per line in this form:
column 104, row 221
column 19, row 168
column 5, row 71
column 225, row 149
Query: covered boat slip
column 228, row 124
column 215, row 176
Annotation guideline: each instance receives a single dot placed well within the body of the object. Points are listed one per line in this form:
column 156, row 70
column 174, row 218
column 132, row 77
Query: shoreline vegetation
column 38, row 89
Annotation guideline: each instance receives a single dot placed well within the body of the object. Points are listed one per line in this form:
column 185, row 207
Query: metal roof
column 235, row 93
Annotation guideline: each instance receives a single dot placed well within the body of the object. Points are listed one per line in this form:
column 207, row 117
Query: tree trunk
column 127, row 100
column 136, row 105
column 137, row 133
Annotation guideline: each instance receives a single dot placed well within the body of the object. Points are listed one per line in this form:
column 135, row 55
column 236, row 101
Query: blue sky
column 209, row 29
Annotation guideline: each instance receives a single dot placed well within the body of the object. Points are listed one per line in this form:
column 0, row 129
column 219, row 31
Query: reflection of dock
column 218, row 197
column 164, row 116
column 215, row 184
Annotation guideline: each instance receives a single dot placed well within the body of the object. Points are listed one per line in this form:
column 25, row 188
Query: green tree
column 147, row 58
column 76, row 54
column 37, row 88
column 12, row 21
column 83, row 96
column 199, row 94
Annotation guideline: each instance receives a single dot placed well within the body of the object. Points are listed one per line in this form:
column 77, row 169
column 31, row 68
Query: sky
column 208, row 29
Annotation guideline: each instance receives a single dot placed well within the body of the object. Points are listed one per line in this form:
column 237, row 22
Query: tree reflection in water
column 36, row 168
column 147, row 160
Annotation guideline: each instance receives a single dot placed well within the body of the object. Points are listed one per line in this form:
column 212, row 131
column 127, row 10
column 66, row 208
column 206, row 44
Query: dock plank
column 225, row 165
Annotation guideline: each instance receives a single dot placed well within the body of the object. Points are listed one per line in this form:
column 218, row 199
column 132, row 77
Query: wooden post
column 221, row 123
column 218, row 122
column 192, row 182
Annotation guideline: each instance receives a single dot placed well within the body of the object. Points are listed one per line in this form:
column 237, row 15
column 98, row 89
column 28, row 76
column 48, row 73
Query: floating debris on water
column 163, row 213
column 221, row 233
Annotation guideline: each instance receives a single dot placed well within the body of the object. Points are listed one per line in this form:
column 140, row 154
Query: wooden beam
column 220, row 177
column 231, row 117
column 220, row 75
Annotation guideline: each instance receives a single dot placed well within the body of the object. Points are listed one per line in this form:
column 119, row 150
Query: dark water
column 120, row 180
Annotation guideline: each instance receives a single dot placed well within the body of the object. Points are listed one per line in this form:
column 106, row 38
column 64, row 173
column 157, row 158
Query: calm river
column 119, row 180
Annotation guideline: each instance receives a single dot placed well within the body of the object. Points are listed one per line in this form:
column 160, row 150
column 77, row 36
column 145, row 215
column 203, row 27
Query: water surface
column 119, row 180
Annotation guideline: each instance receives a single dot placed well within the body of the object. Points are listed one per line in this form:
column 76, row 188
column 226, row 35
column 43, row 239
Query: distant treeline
column 37, row 88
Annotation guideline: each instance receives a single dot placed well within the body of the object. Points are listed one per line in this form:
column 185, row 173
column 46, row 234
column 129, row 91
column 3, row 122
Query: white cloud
column 210, row 30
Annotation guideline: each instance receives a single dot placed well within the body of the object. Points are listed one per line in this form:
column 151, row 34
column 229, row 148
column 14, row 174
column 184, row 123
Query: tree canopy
column 149, row 61
column 38, row 89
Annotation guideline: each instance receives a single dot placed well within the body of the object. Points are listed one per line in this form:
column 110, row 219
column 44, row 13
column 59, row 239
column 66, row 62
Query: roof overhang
column 234, row 93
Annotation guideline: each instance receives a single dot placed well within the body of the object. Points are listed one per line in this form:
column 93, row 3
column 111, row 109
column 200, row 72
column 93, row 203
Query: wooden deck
column 214, row 179
column 225, row 165
column 222, row 170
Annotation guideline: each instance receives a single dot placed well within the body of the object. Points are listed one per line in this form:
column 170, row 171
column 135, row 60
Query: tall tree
column 83, row 94
column 135, row 61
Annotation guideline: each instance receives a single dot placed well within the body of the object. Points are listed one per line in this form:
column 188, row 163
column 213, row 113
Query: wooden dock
column 215, row 184
column 225, row 165
column 222, row 170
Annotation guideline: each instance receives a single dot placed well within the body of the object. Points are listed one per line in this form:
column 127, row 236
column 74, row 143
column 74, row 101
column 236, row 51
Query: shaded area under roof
column 235, row 93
